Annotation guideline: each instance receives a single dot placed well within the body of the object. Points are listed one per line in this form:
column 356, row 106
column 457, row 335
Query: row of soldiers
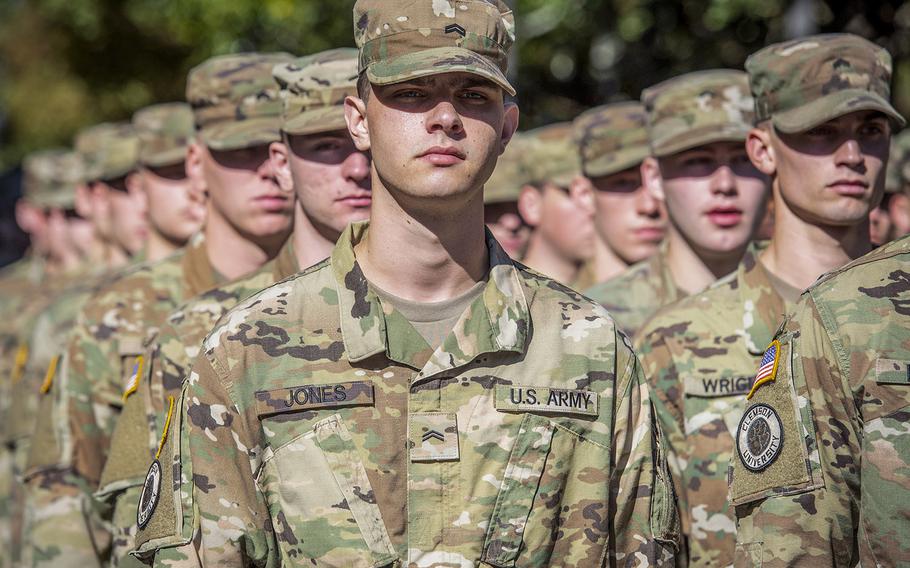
column 267, row 326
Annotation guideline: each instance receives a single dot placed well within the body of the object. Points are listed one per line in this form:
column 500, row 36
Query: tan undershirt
column 435, row 320
column 788, row 292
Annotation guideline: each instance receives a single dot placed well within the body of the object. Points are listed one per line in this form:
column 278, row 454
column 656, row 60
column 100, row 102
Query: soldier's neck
column 234, row 255
column 692, row 270
column 310, row 243
column 544, row 258
column 420, row 255
column 607, row 263
column 800, row 252
column 158, row 246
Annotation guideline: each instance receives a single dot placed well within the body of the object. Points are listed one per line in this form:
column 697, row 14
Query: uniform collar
column 498, row 320
column 763, row 307
column 198, row 273
column 667, row 289
column 285, row 264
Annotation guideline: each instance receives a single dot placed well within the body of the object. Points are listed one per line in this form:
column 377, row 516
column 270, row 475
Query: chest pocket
column 885, row 409
column 321, row 502
column 555, row 483
column 712, row 400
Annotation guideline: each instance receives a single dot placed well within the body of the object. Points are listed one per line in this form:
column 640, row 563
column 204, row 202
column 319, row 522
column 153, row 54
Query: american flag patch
column 133, row 382
column 767, row 368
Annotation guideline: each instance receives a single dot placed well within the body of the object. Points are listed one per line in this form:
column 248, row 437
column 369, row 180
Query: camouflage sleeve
column 232, row 512
column 62, row 520
column 662, row 375
column 90, row 409
column 794, row 475
column 646, row 521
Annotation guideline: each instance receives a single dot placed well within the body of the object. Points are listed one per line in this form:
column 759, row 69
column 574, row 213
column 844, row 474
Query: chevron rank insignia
column 433, row 436
column 455, row 28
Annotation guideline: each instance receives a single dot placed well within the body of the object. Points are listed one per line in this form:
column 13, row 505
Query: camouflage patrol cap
column 164, row 132
column 897, row 176
column 405, row 39
column 611, row 138
column 235, row 100
column 109, row 150
column 51, row 178
column 506, row 182
column 550, row 155
column 698, row 108
column 313, row 89
column 802, row 83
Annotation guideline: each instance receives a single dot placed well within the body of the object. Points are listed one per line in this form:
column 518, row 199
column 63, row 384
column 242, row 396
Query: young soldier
column 110, row 152
column 897, row 198
column 298, row 407
column 163, row 132
column 819, row 479
column 826, row 159
column 562, row 227
column 500, row 201
column 714, row 196
column 174, row 208
column 248, row 218
column 318, row 161
column 49, row 187
column 613, row 142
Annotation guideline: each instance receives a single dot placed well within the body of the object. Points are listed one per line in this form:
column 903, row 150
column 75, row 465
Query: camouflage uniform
column 633, row 296
column 816, row 479
column 313, row 89
column 700, row 355
column 480, row 453
column 491, row 472
column 683, row 113
column 836, row 408
column 50, row 181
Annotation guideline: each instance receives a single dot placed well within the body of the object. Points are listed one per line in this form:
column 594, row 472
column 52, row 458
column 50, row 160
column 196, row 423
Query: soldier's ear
column 278, row 155
column 530, row 205
column 194, row 168
column 582, row 192
column 652, row 179
column 760, row 150
column 134, row 187
column 83, row 201
column 355, row 114
column 509, row 125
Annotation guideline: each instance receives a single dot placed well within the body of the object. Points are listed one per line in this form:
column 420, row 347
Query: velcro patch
column 711, row 387
column 129, row 346
column 892, row 372
column 311, row 397
column 433, row 436
column 518, row 398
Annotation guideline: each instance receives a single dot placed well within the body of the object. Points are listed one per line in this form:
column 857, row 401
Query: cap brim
column 829, row 107
column 326, row 119
column 243, row 134
column 160, row 159
column 708, row 134
column 434, row 62
column 616, row 162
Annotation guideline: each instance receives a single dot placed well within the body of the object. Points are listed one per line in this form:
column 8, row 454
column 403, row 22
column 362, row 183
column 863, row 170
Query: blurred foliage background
column 65, row 64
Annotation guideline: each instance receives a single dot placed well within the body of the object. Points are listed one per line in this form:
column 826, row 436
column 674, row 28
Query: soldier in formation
column 344, row 367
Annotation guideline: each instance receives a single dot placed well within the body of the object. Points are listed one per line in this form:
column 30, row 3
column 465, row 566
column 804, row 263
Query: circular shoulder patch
column 151, row 490
column 759, row 438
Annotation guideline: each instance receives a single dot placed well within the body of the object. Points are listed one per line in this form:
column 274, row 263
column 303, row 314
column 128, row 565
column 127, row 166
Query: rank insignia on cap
column 767, row 369
column 151, row 490
column 759, row 438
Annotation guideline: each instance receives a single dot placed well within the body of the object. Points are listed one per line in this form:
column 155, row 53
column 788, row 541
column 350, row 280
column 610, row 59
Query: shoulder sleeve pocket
column 776, row 449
